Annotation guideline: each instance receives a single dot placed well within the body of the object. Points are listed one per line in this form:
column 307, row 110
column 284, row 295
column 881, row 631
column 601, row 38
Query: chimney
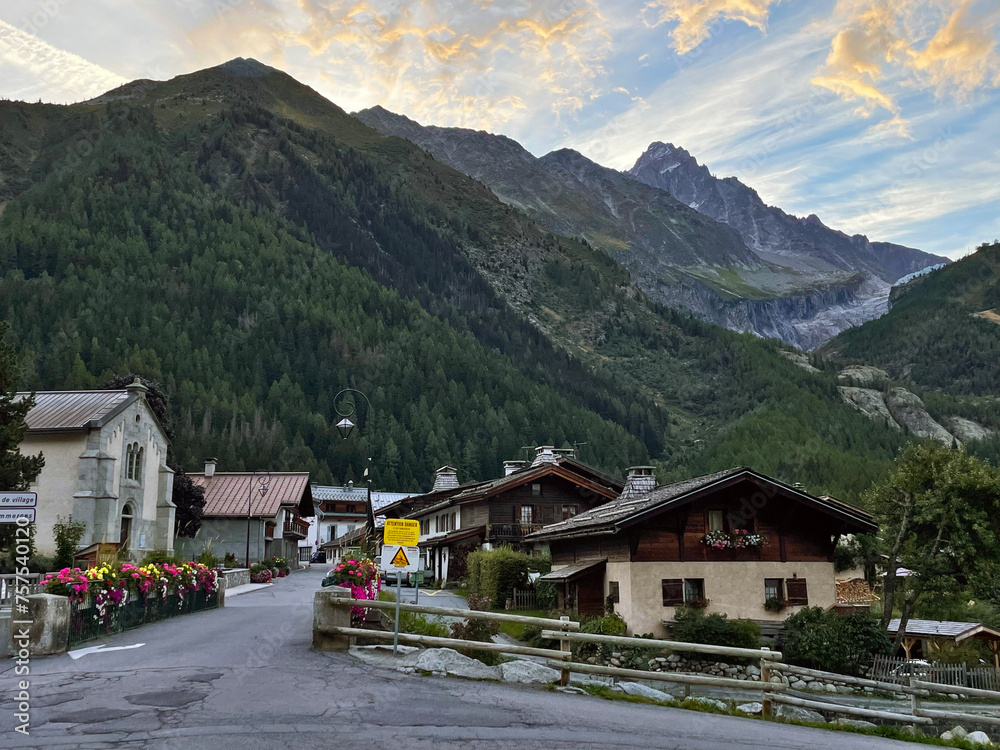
column 209, row 467
column 640, row 482
column 445, row 478
column 509, row 467
column 544, row 454
column 136, row 386
column 350, row 484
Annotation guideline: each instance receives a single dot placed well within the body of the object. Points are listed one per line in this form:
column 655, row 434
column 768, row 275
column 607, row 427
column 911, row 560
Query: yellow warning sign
column 399, row 559
column 401, row 531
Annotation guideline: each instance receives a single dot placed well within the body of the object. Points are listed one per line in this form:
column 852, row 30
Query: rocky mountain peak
column 247, row 67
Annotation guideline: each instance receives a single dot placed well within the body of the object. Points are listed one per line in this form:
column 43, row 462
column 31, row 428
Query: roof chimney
column 350, row 484
column 544, row 454
column 209, row 467
column 640, row 482
column 509, row 467
column 136, row 386
column 445, row 478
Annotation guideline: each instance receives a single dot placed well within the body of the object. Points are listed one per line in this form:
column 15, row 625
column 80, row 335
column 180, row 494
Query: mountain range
column 244, row 242
column 749, row 267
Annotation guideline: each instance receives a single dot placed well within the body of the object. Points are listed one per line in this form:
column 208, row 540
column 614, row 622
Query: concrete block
column 325, row 616
column 48, row 632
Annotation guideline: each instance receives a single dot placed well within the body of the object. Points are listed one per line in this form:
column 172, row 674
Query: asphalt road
column 245, row 677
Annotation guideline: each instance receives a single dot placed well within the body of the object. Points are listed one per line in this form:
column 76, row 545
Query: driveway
column 245, row 677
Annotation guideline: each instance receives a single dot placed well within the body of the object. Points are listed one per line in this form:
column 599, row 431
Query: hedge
column 496, row 573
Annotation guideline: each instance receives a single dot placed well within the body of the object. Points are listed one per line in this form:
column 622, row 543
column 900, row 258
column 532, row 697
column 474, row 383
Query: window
column 568, row 511
column 451, row 523
column 526, row 514
column 133, row 462
column 536, row 490
column 774, row 589
column 716, row 521
column 677, row 591
column 613, row 591
column 797, row 592
column 694, row 588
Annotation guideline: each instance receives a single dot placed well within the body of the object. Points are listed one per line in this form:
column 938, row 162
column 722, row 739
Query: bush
column 546, row 594
column 209, row 560
column 411, row 622
column 260, row 573
column 68, row 534
column 158, row 557
column 230, row 560
column 694, row 626
column 478, row 630
column 834, row 643
column 495, row 574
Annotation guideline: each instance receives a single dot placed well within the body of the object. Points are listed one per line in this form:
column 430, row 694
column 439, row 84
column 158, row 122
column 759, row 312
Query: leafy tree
column 190, row 501
column 823, row 640
column 68, row 534
column 939, row 513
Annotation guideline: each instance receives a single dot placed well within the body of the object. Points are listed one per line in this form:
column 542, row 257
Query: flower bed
column 110, row 598
column 739, row 539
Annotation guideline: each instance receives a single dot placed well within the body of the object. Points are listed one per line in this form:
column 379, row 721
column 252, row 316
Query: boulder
column 857, row 723
column 965, row 429
column 449, row 661
column 869, row 402
column 978, row 738
column 752, row 670
column 908, row 410
column 958, row 733
column 863, row 375
column 799, row 685
column 527, row 671
column 794, row 713
column 636, row 688
column 751, row 708
column 707, row 703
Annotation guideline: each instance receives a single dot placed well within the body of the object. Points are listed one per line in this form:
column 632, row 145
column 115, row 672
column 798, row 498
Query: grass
column 516, row 629
column 884, row 731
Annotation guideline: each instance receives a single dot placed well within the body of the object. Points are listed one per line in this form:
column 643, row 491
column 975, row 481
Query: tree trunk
column 889, row 587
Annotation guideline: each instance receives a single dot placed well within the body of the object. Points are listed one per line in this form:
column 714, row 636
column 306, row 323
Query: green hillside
column 254, row 249
column 943, row 331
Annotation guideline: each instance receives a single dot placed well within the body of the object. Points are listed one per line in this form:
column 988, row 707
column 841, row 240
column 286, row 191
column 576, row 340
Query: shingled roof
column 626, row 510
column 227, row 494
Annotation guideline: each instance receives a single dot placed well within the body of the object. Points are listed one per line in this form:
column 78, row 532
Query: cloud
column 878, row 52
column 695, row 17
column 33, row 69
column 458, row 63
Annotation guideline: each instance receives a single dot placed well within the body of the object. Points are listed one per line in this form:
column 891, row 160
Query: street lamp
column 265, row 481
column 345, row 427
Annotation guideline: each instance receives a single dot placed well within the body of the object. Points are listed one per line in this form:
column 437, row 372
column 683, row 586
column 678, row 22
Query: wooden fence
column 773, row 690
column 984, row 678
column 888, row 669
column 522, row 600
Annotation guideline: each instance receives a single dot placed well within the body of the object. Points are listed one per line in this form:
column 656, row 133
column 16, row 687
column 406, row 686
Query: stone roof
column 608, row 517
column 74, row 410
column 950, row 630
column 227, row 494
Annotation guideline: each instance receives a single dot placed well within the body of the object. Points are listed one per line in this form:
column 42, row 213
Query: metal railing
column 88, row 621
column 8, row 584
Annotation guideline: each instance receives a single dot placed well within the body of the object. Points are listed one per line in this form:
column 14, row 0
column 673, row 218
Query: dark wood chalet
column 728, row 542
column 455, row 519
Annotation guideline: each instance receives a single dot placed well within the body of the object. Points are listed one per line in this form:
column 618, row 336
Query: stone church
column 106, row 465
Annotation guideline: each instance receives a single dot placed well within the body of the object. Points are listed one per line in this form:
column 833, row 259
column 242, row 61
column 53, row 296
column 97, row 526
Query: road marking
column 103, row 648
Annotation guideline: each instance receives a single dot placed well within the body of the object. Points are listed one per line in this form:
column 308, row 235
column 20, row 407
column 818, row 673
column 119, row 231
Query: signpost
column 401, row 555
column 15, row 505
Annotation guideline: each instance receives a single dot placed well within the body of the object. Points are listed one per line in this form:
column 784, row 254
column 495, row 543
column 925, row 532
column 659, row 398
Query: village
column 563, row 575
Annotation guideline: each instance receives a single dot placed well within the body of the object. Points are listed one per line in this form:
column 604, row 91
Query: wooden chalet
column 728, row 542
column 455, row 518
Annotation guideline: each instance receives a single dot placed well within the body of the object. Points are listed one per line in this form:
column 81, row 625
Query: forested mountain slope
column 255, row 249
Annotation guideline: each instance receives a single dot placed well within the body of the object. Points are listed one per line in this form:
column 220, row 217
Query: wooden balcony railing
column 511, row 531
column 296, row 528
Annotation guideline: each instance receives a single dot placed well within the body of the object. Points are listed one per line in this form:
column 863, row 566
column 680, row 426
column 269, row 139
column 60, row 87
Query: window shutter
column 673, row 592
column 796, row 590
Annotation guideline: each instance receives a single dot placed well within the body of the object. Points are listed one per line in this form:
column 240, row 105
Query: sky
column 882, row 117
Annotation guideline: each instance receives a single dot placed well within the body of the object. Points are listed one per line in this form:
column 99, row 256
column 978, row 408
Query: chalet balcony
column 511, row 532
column 269, row 530
column 296, row 528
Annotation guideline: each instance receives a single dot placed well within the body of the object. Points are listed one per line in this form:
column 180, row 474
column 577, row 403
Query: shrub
column 68, row 534
column 694, row 626
column 495, row 574
column 209, row 560
column 478, row 630
column 775, row 604
column 260, row 573
column 546, row 594
column 411, row 622
column 230, row 560
column 158, row 557
column 834, row 643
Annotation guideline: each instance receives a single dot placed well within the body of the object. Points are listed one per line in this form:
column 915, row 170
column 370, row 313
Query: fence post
column 564, row 646
column 765, row 681
column 914, row 703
